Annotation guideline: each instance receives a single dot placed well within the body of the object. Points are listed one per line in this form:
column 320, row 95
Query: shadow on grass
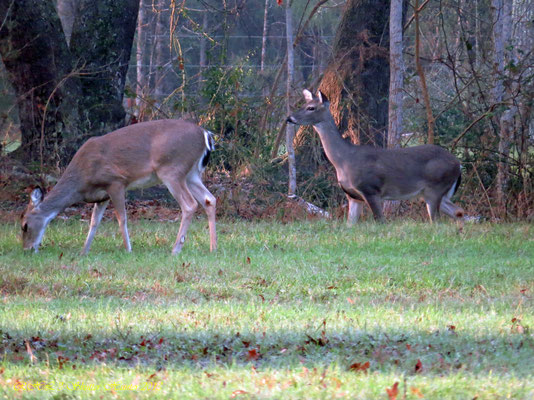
column 400, row 351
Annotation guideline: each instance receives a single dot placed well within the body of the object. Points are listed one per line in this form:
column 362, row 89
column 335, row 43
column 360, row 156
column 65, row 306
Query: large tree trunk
column 502, row 55
column 67, row 10
column 36, row 57
column 102, row 41
column 290, row 131
column 422, row 78
column 396, row 68
column 163, row 54
column 356, row 80
column 141, row 88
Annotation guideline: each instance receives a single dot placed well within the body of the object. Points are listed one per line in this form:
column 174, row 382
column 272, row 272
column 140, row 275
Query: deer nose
column 290, row 120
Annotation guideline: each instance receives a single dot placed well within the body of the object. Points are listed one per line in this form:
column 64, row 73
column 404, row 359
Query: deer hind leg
column 188, row 205
column 207, row 201
column 96, row 217
column 451, row 209
column 448, row 207
column 355, row 210
column 432, row 206
column 116, row 193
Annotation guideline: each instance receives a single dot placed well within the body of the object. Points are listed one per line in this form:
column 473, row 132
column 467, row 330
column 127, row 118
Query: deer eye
column 310, row 108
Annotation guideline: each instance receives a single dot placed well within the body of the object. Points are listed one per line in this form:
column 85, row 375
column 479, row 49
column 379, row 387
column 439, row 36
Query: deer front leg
column 375, row 202
column 96, row 217
column 116, row 193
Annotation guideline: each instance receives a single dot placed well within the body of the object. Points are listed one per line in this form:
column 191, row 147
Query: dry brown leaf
column 393, row 391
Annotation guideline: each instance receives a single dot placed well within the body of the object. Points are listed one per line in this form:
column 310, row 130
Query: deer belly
column 96, row 196
column 400, row 195
column 144, row 182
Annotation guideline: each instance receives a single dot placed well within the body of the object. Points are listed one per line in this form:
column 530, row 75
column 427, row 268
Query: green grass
column 280, row 311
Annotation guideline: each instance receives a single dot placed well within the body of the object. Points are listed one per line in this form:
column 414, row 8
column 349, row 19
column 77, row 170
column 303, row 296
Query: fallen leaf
column 418, row 367
column 253, row 355
column 393, row 391
column 360, row 367
column 237, row 393
column 416, row 392
column 350, row 300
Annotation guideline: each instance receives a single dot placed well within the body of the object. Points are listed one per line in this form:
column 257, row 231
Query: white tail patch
column 210, row 146
column 208, row 137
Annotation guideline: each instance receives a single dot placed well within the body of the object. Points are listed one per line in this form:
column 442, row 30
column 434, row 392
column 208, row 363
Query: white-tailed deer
column 174, row 152
column 369, row 174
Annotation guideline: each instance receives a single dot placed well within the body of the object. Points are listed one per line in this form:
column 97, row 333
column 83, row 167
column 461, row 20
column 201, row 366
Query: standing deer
column 369, row 174
column 174, row 152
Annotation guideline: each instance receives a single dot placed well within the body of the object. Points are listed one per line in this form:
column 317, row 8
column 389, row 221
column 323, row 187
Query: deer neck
column 335, row 147
column 64, row 194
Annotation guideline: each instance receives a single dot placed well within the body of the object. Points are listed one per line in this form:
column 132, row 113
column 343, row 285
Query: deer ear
column 36, row 196
column 322, row 97
column 307, row 95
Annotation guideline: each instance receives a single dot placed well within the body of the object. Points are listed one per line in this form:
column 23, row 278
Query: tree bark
column 102, row 41
column 396, row 77
column 290, row 130
column 421, row 73
column 357, row 78
column 265, row 90
column 203, row 56
column 505, row 120
column 141, row 59
column 38, row 62
column 67, row 10
column 163, row 54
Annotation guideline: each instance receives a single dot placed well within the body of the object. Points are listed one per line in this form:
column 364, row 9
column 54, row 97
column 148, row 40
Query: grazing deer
column 174, row 152
column 369, row 174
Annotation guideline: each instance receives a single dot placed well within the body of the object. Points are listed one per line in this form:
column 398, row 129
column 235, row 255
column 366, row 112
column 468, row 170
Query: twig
column 461, row 135
column 485, row 193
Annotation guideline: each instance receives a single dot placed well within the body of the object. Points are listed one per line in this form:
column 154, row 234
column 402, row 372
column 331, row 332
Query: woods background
column 456, row 73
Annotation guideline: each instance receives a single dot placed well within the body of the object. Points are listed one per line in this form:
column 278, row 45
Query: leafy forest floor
column 305, row 309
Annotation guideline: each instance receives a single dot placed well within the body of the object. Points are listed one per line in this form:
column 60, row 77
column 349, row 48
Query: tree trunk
column 396, row 77
column 67, row 10
column 502, row 40
column 357, row 78
column 508, row 117
column 141, row 59
column 290, row 130
column 421, row 73
column 265, row 90
column 162, row 52
column 203, row 56
column 102, row 41
column 38, row 62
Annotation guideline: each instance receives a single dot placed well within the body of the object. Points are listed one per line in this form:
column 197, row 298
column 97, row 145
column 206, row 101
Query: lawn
column 309, row 310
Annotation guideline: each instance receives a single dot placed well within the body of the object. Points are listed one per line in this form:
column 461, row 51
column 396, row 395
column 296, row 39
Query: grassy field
column 309, row 310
